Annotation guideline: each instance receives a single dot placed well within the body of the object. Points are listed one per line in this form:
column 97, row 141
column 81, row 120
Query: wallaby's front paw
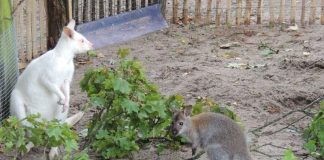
column 61, row 101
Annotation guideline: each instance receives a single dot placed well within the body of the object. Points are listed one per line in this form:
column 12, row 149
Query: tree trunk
column 57, row 10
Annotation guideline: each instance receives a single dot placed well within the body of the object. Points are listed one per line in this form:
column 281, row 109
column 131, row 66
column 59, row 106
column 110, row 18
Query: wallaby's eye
column 82, row 40
column 181, row 123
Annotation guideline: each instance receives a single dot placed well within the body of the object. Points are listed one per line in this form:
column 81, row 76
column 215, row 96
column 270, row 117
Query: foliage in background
column 289, row 155
column 42, row 133
column 129, row 108
column 314, row 135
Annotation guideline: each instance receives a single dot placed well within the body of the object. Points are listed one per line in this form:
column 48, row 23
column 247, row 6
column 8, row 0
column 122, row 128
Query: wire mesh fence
column 8, row 68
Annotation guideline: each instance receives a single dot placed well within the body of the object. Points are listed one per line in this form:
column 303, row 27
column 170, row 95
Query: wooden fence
column 31, row 28
column 247, row 12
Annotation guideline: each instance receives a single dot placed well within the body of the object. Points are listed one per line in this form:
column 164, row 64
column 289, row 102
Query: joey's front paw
column 61, row 101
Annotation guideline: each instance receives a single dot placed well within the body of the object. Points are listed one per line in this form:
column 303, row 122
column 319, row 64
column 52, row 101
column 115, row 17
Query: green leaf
column 121, row 85
column 123, row 52
column 54, row 132
column 289, row 155
column 92, row 53
column 98, row 101
column 130, row 106
column 310, row 146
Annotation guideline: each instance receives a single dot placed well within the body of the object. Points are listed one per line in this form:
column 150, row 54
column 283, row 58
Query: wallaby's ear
column 71, row 24
column 174, row 110
column 187, row 110
column 68, row 32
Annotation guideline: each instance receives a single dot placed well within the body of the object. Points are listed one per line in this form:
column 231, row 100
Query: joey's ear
column 187, row 110
column 174, row 110
column 68, row 32
column 71, row 24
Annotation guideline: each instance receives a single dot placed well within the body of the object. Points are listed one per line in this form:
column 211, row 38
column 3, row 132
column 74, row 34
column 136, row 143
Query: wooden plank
column 185, row 12
column 248, row 10
column 322, row 13
column 119, row 6
column 43, row 26
column 239, row 12
column 312, row 14
column 282, row 11
column 271, row 10
column 93, row 10
column 175, row 11
column 29, row 30
column 70, row 9
column 209, row 6
column 293, row 12
column 35, row 34
column 101, row 9
column 228, row 12
column 164, row 8
column 85, row 10
column 302, row 17
column 218, row 12
column 259, row 11
column 197, row 11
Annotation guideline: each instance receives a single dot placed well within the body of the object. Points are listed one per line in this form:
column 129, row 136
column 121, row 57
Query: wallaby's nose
column 91, row 45
column 174, row 132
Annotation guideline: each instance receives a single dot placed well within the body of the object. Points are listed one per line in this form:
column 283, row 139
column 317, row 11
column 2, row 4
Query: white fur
column 44, row 86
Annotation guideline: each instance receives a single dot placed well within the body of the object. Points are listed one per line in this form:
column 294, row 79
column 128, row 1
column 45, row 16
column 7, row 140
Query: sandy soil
column 190, row 62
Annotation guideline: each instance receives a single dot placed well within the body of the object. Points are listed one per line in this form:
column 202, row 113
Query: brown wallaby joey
column 218, row 135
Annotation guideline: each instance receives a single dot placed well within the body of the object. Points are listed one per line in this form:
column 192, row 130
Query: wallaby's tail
column 74, row 119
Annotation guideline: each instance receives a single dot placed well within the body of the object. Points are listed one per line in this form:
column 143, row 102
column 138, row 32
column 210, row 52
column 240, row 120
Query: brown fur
column 217, row 134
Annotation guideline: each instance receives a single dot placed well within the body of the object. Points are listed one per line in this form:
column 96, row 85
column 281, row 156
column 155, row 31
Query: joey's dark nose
column 174, row 132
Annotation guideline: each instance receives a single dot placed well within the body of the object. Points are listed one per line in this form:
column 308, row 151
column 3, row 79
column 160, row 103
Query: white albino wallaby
column 44, row 86
column 217, row 134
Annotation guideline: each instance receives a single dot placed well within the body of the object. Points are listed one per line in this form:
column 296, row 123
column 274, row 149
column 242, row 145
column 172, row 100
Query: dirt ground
column 189, row 61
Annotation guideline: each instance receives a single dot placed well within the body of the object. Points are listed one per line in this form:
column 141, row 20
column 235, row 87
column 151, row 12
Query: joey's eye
column 181, row 123
column 82, row 40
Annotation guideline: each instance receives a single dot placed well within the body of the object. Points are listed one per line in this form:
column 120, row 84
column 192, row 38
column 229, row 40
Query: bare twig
column 16, row 7
column 287, row 114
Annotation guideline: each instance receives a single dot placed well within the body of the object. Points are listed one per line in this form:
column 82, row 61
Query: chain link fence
column 8, row 58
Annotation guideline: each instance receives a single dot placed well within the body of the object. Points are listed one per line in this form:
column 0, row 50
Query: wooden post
column 75, row 9
column 259, row 12
column 175, row 11
column 228, row 12
column 127, row 5
column 239, row 12
column 197, row 11
column 209, row 6
column 58, row 18
column 312, row 14
column 33, row 27
column 322, row 13
column 218, row 12
column 271, row 10
column 293, row 12
column 142, row 3
column 29, row 30
column 185, row 12
column 282, row 11
column 110, row 7
column 248, row 12
column 302, row 17
column 133, row 4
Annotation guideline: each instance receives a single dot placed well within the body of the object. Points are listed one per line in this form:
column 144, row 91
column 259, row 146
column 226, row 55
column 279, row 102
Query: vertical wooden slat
column 43, row 26
column 218, row 12
column 85, row 10
column 228, row 12
column 75, row 5
column 142, row 3
column 312, row 14
column 197, row 11
column 101, row 9
column 322, row 12
column 93, row 10
column 110, row 7
column 133, row 4
column 302, row 17
column 248, row 10
column 239, row 12
column 163, row 8
column 282, row 11
column 34, row 27
column 175, row 11
column 70, row 9
column 118, row 6
column 259, row 12
column 209, row 6
column 293, row 12
column 271, row 10
column 29, row 30
column 185, row 12
column 127, row 5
